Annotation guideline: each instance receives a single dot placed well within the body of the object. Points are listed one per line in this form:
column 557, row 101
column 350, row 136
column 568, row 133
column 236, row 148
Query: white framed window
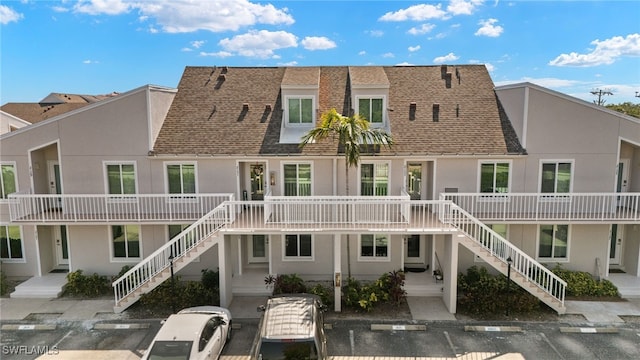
column 374, row 247
column 374, row 178
column 11, row 246
column 125, row 242
column 181, row 177
column 556, row 176
column 553, row 242
column 297, row 247
column 300, row 110
column 120, row 178
column 297, row 179
column 8, row 179
column 371, row 108
column 495, row 177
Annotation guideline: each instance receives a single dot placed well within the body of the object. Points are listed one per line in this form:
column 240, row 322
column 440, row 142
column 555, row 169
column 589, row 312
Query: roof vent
column 436, row 112
column 224, row 70
column 245, row 107
column 267, row 107
column 412, row 111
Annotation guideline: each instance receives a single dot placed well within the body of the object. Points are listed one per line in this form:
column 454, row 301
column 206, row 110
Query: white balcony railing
column 69, row 208
column 605, row 207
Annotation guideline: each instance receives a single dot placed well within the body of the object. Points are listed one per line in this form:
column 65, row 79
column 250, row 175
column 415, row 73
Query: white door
column 615, row 244
column 414, row 250
column 258, row 249
column 622, row 180
column 61, row 244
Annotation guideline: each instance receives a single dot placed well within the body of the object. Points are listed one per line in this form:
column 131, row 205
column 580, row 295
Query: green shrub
column 481, row 293
column 179, row 294
column 386, row 289
column 286, row 284
column 581, row 283
column 79, row 284
column 324, row 292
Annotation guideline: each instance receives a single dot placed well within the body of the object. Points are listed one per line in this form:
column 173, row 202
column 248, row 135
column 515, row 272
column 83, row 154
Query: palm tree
column 353, row 133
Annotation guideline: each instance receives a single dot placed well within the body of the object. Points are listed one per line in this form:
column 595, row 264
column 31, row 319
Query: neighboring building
column 211, row 176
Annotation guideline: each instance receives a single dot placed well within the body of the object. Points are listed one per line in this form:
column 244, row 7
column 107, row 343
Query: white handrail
column 173, row 250
column 522, row 263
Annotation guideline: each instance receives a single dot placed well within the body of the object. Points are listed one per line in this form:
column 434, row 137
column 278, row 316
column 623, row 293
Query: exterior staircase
column 177, row 253
column 500, row 254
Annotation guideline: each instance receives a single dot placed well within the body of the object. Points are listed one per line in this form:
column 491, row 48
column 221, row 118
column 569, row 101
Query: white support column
column 224, row 267
column 337, row 272
column 450, row 272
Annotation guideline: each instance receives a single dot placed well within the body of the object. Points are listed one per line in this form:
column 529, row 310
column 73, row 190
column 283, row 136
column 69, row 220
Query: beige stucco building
column 211, row 175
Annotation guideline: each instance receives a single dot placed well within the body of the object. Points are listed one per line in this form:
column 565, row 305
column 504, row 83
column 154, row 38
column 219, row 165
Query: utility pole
column 601, row 93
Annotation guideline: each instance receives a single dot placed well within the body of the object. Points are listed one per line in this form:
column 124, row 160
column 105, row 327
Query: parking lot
column 347, row 339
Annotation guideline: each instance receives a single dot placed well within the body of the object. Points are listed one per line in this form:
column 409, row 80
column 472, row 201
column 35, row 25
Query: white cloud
column 361, row 53
column 422, row 29
column 8, row 15
column 462, row 7
column 414, row 48
column 447, row 58
column 490, row 68
column 180, row 16
column 419, row 12
column 489, row 29
column 388, row 55
column 404, row 63
column 220, row 54
column 186, row 49
column 260, row 44
column 290, row 63
column 375, row 33
column 197, row 44
column 606, row 52
column 317, row 43
column 107, row 7
column 90, row 62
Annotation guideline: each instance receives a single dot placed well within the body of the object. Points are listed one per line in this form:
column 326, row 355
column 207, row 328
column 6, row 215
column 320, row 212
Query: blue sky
column 100, row 46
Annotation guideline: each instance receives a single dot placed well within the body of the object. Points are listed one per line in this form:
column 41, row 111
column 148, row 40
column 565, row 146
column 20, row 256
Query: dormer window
column 372, row 109
column 300, row 110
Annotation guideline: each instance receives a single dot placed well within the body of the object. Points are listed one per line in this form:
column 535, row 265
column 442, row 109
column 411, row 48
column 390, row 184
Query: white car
column 193, row 333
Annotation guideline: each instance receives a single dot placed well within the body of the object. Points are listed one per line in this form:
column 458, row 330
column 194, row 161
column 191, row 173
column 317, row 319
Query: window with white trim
column 299, row 110
column 374, row 179
column 181, row 178
column 297, row 179
column 11, row 243
column 555, row 177
column 553, row 242
column 372, row 109
column 121, row 178
column 125, row 241
column 298, row 246
column 374, row 247
column 8, row 179
column 485, row 238
column 494, row 177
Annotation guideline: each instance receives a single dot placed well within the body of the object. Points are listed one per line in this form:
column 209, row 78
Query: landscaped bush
column 79, row 284
column 183, row 294
column 481, row 293
column 286, row 284
column 387, row 289
column 325, row 293
column 581, row 283
column 4, row 285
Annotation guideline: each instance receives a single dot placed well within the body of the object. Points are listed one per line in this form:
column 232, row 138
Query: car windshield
column 170, row 350
column 288, row 350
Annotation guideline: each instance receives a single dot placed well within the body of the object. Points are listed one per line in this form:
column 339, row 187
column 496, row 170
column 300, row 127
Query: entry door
column 258, row 249
column 622, row 180
column 61, row 244
column 257, row 181
column 615, row 244
column 55, row 186
column 414, row 181
column 414, row 252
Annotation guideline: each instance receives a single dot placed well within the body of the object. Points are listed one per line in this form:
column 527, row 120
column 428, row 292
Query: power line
column 601, row 93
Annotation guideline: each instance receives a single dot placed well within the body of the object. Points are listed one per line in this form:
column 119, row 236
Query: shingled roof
column 238, row 110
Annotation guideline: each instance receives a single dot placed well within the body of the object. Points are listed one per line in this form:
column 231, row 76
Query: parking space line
column 544, row 337
column 589, row 330
column 120, row 326
column 409, row 327
column 22, row 327
column 493, row 328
